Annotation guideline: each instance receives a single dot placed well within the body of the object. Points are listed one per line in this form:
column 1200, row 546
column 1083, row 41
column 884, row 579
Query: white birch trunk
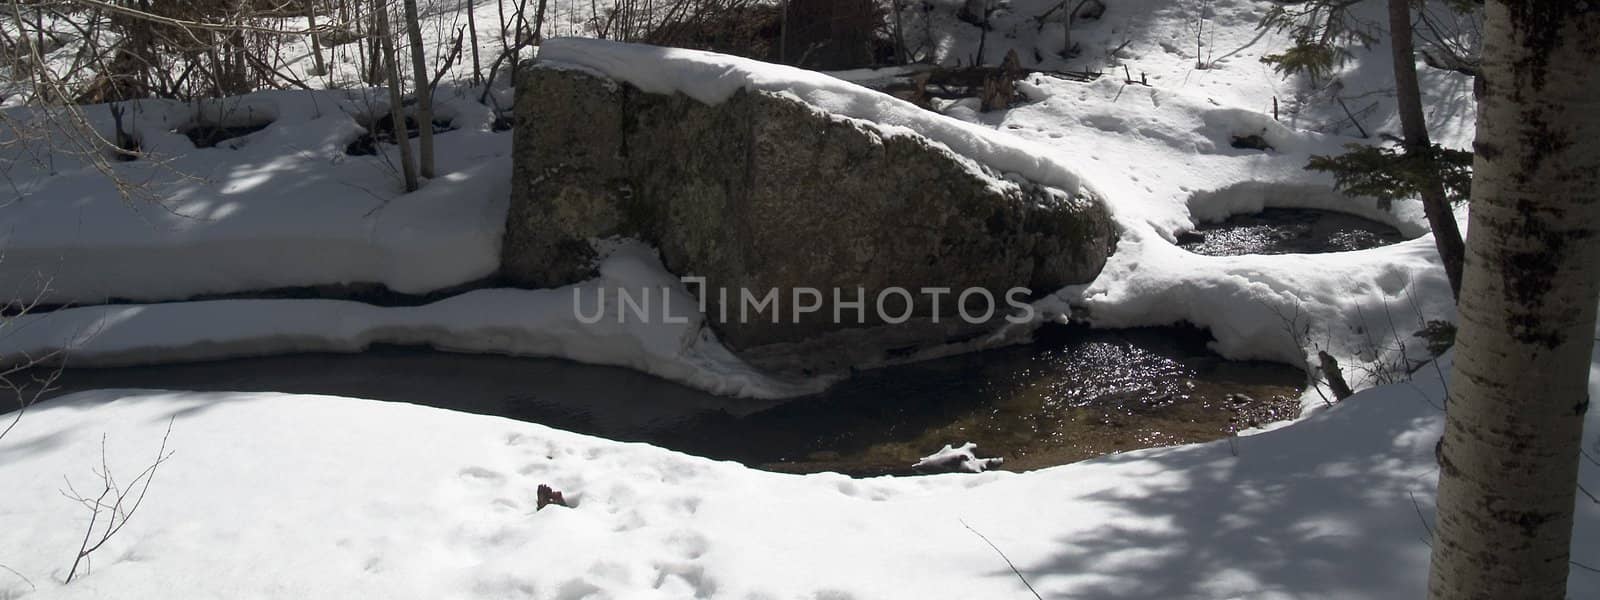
column 1509, row 457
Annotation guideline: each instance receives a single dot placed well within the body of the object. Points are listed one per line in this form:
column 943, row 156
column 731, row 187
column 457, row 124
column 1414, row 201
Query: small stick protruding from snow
column 548, row 496
column 1353, row 119
column 1335, row 377
column 22, row 577
column 117, row 503
column 1002, row 557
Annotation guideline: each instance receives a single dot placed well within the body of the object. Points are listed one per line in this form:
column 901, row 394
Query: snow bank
column 1252, row 196
column 506, row 321
column 1163, row 160
column 712, row 78
column 1165, row 163
column 313, row 496
column 280, row 207
column 286, row 207
column 1157, row 41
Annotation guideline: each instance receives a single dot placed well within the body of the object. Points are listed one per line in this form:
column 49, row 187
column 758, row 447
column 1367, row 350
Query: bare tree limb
column 114, row 501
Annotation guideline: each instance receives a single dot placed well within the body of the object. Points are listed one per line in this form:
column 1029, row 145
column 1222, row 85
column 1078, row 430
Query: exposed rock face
column 764, row 192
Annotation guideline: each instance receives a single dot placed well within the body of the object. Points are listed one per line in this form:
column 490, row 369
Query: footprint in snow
column 689, row 544
column 480, row 475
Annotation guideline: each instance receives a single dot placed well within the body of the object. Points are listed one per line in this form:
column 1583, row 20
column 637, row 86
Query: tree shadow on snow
column 1324, row 507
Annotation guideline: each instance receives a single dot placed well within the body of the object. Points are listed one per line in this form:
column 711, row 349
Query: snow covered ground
column 1162, row 163
column 304, row 496
column 1160, row 158
column 292, row 496
column 286, row 206
column 506, row 321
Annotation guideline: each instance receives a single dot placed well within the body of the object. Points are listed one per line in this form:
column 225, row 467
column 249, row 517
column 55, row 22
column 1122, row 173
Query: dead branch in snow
column 113, row 506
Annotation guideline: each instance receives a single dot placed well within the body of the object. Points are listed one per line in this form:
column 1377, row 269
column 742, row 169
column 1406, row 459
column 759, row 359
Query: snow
column 290, row 496
column 953, row 459
column 1166, row 43
column 505, row 321
column 1162, row 160
column 287, row 208
column 282, row 495
column 1160, row 166
column 712, row 78
column 282, row 207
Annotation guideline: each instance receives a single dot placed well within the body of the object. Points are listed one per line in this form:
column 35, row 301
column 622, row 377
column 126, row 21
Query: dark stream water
column 1075, row 393
column 1288, row 231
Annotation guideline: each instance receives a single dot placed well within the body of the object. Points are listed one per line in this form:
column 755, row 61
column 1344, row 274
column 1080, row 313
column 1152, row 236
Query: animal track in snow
column 672, row 577
column 481, row 475
column 576, row 589
column 688, row 543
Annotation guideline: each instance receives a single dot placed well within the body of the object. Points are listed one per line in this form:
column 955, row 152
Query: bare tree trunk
column 520, row 23
column 1441, row 219
column 396, row 109
column 898, row 6
column 983, row 31
column 538, row 24
column 375, row 45
column 505, row 47
column 143, row 44
column 361, row 44
column 472, row 30
column 1509, row 458
column 1066, row 28
column 419, row 70
column 316, row 45
column 535, row 38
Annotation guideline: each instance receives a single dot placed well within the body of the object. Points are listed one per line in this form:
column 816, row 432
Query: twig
column 445, row 64
column 117, row 514
column 1437, row 370
column 1421, row 518
column 186, row 25
column 1353, row 119
column 1002, row 557
column 22, row 577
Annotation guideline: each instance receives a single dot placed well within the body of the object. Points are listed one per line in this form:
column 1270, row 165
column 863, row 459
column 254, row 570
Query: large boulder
column 765, row 192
